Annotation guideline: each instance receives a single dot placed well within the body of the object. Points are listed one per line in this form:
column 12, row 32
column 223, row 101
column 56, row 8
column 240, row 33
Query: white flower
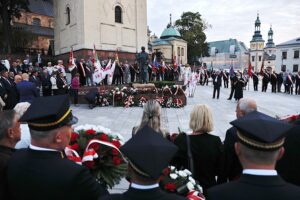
column 182, row 174
column 174, row 176
column 190, row 186
column 187, row 172
column 172, row 168
column 192, row 180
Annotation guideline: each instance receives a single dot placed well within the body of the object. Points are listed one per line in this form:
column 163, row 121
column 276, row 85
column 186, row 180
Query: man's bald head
column 245, row 106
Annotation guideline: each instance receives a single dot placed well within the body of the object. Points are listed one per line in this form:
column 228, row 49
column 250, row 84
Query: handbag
column 189, row 153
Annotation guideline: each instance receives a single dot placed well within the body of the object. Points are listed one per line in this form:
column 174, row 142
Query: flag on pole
column 95, row 60
column 231, row 71
column 262, row 68
column 154, row 65
column 175, row 63
column 250, row 69
column 72, row 64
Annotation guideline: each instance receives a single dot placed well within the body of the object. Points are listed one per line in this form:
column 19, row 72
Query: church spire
column 257, row 35
column 270, row 43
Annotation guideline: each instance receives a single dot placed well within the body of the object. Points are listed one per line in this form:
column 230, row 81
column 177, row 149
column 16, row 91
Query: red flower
column 95, row 146
column 115, row 152
column 75, row 147
column 116, row 143
column 166, row 171
column 170, row 187
column 116, row 160
column 104, row 137
column 89, row 164
column 74, row 137
column 90, row 132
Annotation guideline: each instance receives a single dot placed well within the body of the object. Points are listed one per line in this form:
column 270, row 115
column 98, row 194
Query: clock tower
column 257, row 45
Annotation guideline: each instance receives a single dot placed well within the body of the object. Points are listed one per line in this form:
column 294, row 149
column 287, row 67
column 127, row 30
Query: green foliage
column 161, row 84
column 191, row 27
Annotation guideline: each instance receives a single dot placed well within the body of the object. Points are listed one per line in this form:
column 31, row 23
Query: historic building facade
column 111, row 26
column 39, row 21
column 170, row 45
column 287, row 56
column 226, row 53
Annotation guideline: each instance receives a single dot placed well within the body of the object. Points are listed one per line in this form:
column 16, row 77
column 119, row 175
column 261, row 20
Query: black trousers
column 75, row 95
column 225, row 83
column 264, row 87
column 297, row 89
column 255, row 84
column 231, row 92
column 274, row 87
column 279, row 87
column 46, row 92
column 216, row 89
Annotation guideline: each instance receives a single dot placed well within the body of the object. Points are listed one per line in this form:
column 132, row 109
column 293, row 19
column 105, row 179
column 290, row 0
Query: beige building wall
column 257, row 51
column 93, row 22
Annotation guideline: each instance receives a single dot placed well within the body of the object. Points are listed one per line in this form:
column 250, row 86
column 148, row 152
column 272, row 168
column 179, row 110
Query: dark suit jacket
column 37, row 175
column 135, row 194
column 217, row 81
column 232, row 166
column 36, row 81
column 27, row 91
column 5, row 154
column 45, row 81
column 289, row 165
column 251, row 187
column 12, row 93
column 207, row 152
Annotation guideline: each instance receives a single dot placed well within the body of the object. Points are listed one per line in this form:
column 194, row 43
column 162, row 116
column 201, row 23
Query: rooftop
column 223, row 46
column 170, row 32
column 295, row 41
column 42, row 7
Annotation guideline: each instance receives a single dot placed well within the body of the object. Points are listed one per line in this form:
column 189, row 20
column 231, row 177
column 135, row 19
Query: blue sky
column 232, row 19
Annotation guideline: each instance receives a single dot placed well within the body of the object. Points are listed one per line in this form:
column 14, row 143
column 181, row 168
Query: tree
column 191, row 27
column 8, row 10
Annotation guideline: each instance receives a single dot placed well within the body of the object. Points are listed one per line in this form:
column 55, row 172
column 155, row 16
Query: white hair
column 247, row 105
column 21, row 108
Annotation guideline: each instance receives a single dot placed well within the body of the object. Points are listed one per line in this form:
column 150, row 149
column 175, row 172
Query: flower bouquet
column 97, row 149
column 129, row 101
column 181, row 182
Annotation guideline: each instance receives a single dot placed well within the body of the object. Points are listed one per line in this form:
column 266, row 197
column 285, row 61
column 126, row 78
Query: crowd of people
column 253, row 162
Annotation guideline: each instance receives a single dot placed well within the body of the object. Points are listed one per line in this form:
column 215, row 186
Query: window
column 178, row 51
column 68, row 13
column 118, row 14
column 36, row 22
column 253, row 58
column 259, row 58
column 182, row 51
column 284, row 55
column 283, row 68
column 296, row 54
column 295, row 68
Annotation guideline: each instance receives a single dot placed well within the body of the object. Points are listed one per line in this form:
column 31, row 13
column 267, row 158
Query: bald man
column 232, row 166
column 27, row 90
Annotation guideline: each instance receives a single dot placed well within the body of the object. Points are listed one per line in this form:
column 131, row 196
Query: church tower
column 257, row 47
column 119, row 25
column 270, row 52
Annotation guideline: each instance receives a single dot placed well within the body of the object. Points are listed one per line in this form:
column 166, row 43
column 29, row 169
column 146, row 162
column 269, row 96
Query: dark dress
column 5, row 154
column 135, row 194
column 250, row 187
column 207, row 151
column 239, row 89
column 289, row 165
column 48, row 175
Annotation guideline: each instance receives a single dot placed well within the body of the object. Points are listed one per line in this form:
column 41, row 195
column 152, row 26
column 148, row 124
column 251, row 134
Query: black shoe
column 228, row 99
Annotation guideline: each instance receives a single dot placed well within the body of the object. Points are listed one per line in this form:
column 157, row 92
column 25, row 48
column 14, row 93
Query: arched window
column 118, row 14
column 68, row 15
column 36, row 22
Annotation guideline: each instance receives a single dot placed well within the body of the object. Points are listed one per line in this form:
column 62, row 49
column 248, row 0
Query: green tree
column 8, row 10
column 191, row 27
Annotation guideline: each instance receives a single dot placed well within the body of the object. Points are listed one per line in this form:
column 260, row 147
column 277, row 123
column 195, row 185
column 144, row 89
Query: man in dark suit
column 148, row 153
column 265, row 81
column 3, row 96
column 12, row 97
column 288, row 166
column 233, row 82
column 279, row 81
column 297, row 88
column 259, row 146
column 81, row 66
column 27, row 90
column 232, row 166
column 255, row 81
column 217, row 81
column 274, row 82
column 15, row 68
column 42, row 171
column 36, row 80
column 46, row 83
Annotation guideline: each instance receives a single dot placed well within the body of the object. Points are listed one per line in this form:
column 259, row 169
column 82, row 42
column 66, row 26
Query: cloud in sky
column 232, row 19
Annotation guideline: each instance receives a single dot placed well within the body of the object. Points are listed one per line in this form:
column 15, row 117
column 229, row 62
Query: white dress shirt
column 40, row 148
column 260, row 172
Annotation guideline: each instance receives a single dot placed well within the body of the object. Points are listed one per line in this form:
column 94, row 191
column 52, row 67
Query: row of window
column 259, row 58
column 295, row 68
column 284, row 54
column 118, row 15
column 180, row 53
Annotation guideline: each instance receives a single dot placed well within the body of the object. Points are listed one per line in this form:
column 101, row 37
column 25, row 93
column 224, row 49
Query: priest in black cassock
column 259, row 147
column 148, row 153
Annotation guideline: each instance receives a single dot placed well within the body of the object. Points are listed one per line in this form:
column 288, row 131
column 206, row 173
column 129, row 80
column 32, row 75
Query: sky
column 232, row 19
